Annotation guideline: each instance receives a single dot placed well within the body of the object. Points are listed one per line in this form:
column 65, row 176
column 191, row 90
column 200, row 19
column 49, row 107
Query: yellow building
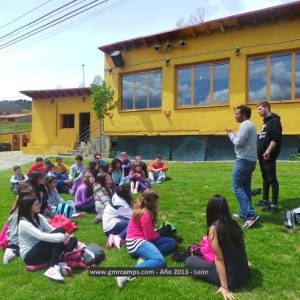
column 61, row 119
column 178, row 88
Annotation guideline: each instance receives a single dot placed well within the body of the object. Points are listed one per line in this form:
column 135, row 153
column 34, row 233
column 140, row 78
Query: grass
column 273, row 250
column 15, row 127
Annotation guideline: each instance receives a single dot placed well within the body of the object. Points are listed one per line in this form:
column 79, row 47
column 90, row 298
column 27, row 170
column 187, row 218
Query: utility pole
column 83, row 77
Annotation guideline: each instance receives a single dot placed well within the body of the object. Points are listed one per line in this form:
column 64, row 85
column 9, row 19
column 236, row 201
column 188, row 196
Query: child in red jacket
column 37, row 166
column 157, row 170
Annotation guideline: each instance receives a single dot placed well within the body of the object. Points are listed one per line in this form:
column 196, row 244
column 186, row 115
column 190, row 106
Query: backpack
column 66, row 208
column 64, row 222
column 292, row 218
column 74, row 259
column 93, row 255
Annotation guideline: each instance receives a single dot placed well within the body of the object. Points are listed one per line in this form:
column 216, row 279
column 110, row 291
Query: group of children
column 107, row 191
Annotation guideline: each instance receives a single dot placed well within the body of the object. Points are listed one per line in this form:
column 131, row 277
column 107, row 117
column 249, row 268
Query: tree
column 103, row 101
column 197, row 17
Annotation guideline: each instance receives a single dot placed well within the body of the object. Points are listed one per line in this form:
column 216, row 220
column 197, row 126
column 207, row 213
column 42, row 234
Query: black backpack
column 93, row 255
column 292, row 218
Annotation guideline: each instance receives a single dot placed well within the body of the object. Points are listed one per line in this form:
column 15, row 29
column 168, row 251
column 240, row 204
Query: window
column 274, row 77
column 203, row 84
column 67, row 121
column 142, row 90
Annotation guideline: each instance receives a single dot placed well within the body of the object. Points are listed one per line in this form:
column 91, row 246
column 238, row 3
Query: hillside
column 17, row 106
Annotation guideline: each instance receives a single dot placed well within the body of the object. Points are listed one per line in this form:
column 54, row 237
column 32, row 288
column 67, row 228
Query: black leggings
column 208, row 271
column 268, row 171
column 46, row 252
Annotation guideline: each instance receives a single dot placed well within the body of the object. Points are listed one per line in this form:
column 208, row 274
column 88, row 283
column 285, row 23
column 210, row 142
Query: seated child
column 60, row 167
column 17, row 179
column 157, row 170
column 102, row 163
column 138, row 161
column 126, row 163
column 137, row 180
column 84, row 196
column 102, row 194
column 116, row 216
column 142, row 240
column 76, row 169
column 37, row 166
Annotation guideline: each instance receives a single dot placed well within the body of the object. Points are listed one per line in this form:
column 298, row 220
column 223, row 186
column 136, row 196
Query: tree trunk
column 101, row 134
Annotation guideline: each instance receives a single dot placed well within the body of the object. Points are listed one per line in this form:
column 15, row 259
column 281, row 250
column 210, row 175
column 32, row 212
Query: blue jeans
column 241, row 186
column 119, row 229
column 153, row 252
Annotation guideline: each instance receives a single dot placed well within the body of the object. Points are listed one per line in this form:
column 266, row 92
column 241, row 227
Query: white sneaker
column 122, row 280
column 54, row 273
column 9, row 254
column 65, row 270
column 135, row 192
column 140, row 260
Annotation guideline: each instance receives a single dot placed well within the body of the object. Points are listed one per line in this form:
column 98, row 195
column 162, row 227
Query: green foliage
column 15, row 127
column 103, row 99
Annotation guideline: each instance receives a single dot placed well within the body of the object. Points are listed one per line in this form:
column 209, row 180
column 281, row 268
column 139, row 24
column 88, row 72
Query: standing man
column 268, row 149
column 245, row 146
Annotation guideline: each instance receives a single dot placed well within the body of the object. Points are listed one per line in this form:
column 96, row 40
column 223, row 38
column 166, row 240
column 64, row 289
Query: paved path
column 10, row 158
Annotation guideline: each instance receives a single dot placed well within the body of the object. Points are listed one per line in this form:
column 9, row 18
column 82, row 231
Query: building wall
column 16, row 139
column 47, row 134
column 204, row 120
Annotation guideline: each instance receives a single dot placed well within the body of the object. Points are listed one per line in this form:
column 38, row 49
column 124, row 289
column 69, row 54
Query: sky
column 54, row 58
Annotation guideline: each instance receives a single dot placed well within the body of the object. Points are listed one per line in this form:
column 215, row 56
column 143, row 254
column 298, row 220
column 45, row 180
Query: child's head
column 29, row 207
column 137, row 168
column 59, row 161
column 217, row 209
column 36, row 178
column 51, row 182
column 158, row 158
column 138, row 159
column 93, row 166
column 123, row 156
column 39, row 160
column 17, row 169
column 88, row 178
column 79, row 159
column 148, row 201
column 97, row 156
column 116, row 164
column 23, row 191
column 123, row 191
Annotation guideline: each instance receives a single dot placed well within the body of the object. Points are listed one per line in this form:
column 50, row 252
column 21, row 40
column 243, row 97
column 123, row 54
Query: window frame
column 212, row 102
column 268, row 56
column 62, row 121
column 120, row 109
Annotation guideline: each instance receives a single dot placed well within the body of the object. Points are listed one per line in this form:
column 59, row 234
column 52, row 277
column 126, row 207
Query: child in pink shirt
column 142, row 240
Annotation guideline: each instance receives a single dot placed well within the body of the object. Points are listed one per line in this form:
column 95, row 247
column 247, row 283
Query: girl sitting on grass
column 39, row 242
column 230, row 268
column 84, row 197
column 102, row 194
column 137, row 179
column 141, row 240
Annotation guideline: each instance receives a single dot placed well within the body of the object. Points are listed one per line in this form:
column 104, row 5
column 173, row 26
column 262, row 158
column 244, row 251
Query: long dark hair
column 114, row 164
column 34, row 178
column 49, row 180
column 123, row 191
column 87, row 183
column 101, row 179
column 228, row 230
column 92, row 167
column 22, row 192
column 149, row 201
column 25, row 210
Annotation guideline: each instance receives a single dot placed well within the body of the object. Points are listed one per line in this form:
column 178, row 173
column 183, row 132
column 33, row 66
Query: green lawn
column 15, row 127
column 273, row 250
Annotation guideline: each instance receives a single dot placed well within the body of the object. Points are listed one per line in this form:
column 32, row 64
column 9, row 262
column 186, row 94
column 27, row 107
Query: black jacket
column 271, row 131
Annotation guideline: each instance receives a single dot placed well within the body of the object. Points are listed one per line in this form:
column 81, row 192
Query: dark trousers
column 268, row 171
column 209, row 271
column 46, row 252
column 119, row 229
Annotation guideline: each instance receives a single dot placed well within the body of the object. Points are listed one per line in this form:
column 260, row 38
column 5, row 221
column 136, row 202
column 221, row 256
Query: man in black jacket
column 268, row 149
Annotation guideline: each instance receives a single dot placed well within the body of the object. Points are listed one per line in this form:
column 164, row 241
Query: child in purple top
column 137, row 179
column 84, row 197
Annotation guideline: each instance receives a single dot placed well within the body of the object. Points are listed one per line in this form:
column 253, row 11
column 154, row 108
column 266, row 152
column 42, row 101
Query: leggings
column 46, row 252
column 208, row 271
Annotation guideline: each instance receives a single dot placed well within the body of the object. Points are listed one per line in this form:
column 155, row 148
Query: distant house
column 61, row 119
column 15, row 118
column 178, row 88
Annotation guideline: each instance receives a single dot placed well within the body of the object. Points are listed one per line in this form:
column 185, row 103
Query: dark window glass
column 141, row 91
column 297, row 86
column 257, row 79
column 202, row 84
column 127, row 92
column 184, row 86
column 221, row 73
column 155, row 83
column 67, row 121
column 281, row 77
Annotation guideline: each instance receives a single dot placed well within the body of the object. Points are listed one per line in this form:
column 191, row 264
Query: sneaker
column 122, row 280
column 117, row 241
column 9, row 254
column 110, row 241
column 158, row 181
column 237, row 216
column 273, row 207
column 250, row 223
column 134, row 192
column 65, row 270
column 54, row 273
column 263, row 203
column 140, row 260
